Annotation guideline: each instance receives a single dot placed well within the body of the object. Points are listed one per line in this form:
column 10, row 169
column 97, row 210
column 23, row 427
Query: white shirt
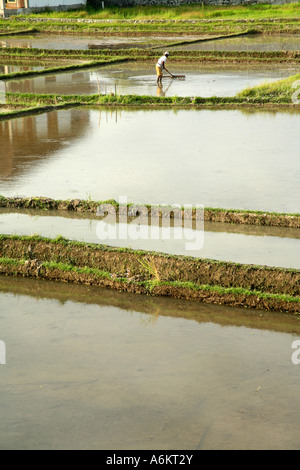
column 161, row 61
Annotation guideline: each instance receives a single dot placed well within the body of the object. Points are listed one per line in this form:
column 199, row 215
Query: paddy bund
column 151, row 273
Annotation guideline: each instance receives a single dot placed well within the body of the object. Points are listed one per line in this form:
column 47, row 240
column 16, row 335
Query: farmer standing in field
column 160, row 66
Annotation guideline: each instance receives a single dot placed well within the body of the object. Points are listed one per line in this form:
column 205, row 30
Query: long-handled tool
column 172, row 76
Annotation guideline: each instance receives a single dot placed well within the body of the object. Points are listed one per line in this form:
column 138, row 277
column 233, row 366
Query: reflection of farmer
column 160, row 66
column 159, row 91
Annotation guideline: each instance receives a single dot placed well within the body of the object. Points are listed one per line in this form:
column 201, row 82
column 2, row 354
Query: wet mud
column 227, row 216
column 152, row 273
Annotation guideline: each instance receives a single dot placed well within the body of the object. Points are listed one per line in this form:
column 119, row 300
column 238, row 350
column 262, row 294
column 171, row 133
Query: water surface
column 228, row 158
column 140, row 78
column 79, row 42
column 252, row 42
column 8, row 66
column 86, row 369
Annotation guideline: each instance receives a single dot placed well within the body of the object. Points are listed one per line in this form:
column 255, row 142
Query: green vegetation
column 145, row 258
column 19, row 31
column 187, row 19
column 68, row 204
column 232, row 290
column 276, row 92
column 183, row 12
column 150, row 285
column 61, row 69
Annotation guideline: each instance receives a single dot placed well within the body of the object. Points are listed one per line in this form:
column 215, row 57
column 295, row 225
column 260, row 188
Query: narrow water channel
column 221, row 158
column 279, row 248
column 95, row 369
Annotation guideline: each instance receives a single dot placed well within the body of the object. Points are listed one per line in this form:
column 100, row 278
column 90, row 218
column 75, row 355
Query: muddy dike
column 151, row 273
column 232, row 216
column 181, row 56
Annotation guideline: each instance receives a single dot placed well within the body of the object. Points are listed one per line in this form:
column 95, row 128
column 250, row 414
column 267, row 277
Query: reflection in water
column 159, row 91
column 8, row 66
column 11, row 68
column 162, row 90
column 27, row 141
column 224, row 158
column 106, row 371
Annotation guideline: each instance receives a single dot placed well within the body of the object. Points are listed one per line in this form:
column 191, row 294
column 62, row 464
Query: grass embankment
column 282, row 91
column 175, row 28
column 151, row 273
column 232, row 216
column 61, row 69
column 182, row 12
column 230, row 57
column 19, row 31
column 185, row 19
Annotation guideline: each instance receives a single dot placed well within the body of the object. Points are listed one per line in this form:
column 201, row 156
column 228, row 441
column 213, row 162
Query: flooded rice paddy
column 11, row 68
column 82, row 42
column 7, row 66
column 228, row 158
column 140, row 79
column 96, row 369
column 250, row 245
column 92, row 368
column 252, row 42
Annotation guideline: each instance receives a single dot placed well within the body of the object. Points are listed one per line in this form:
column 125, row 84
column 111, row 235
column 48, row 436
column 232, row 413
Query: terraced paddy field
column 186, row 337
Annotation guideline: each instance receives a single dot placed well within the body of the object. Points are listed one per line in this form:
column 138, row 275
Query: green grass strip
column 226, row 290
column 139, row 253
column 44, row 203
column 181, row 12
column 151, row 285
column 279, row 91
column 61, row 69
column 147, row 54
